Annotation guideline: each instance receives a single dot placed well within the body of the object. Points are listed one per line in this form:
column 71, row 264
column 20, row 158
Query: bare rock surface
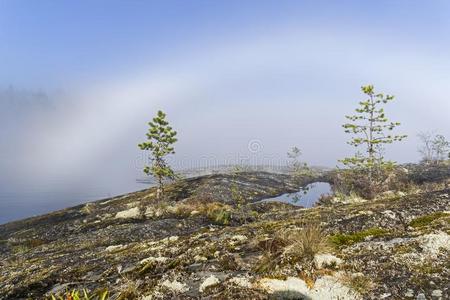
column 197, row 244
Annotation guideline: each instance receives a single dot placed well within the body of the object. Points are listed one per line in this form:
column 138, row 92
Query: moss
column 427, row 219
column 356, row 237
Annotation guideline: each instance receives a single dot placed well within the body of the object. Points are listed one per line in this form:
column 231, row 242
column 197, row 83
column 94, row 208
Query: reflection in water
column 306, row 196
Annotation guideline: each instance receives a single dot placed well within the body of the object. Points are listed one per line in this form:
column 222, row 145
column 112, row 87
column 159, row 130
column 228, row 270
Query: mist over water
column 78, row 107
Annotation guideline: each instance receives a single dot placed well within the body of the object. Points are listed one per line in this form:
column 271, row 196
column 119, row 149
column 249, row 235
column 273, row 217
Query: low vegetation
column 342, row 239
column 428, row 219
column 83, row 295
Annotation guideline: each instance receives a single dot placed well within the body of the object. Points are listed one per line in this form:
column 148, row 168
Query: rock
column 328, row 287
column 409, row 293
column 208, row 282
column 436, row 294
column 114, row 248
column 160, row 259
column 241, row 281
column 291, row 285
column 175, row 286
column 390, row 214
column 326, row 260
column 132, row 213
column 199, row 258
column 239, row 238
column 151, row 212
column 421, row 296
column 432, row 244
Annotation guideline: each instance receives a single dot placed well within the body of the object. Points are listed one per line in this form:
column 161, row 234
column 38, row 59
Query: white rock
column 389, row 213
column 239, row 238
column 409, row 293
column 175, row 286
column 173, row 238
column 160, row 259
column 131, row 213
column 436, row 294
column 290, row 285
column 152, row 212
column 421, row 296
column 326, row 260
column 328, row 287
column 241, row 281
column 113, row 248
column 199, row 258
column 433, row 243
column 208, row 282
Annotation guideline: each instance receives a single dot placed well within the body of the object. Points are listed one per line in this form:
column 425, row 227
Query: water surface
column 306, row 196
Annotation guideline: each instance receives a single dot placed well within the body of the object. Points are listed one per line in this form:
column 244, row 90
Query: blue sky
column 228, row 73
column 53, row 43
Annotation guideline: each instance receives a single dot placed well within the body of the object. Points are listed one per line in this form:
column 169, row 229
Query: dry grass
column 289, row 247
column 307, row 242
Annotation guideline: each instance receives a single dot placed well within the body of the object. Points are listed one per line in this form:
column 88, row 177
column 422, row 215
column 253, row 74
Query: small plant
column 160, row 140
column 293, row 246
column 83, row 295
column 298, row 169
column 236, row 193
column 220, row 216
column 307, row 242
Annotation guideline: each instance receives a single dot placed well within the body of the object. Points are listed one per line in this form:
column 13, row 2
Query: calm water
column 306, row 197
column 28, row 202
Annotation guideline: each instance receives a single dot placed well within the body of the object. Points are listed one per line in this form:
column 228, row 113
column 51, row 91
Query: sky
column 239, row 81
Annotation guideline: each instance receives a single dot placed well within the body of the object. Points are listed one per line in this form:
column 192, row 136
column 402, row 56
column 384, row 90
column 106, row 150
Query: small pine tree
column 298, row 169
column 371, row 129
column 160, row 140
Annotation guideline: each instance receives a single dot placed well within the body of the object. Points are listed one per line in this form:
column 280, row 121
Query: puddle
column 306, row 197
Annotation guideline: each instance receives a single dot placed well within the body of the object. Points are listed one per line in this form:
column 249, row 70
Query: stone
column 160, row 259
column 328, row 287
column 132, row 213
column 326, row 260
column 241, row 281
column 239, row 238
column 421, row 296
column 175, row 286
column 409, row 293
column 208, row 282
column 290, row 285
column 113, row 248
column 436, row 294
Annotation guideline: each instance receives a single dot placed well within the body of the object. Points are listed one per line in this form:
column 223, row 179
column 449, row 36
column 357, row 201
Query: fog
column 245, row 98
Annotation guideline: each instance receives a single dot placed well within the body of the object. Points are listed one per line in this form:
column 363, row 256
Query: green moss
column 356, row 237
column 426, row 220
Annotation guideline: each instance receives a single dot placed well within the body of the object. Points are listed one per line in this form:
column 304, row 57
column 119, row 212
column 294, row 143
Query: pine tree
column 160, row 140
column 371, row 129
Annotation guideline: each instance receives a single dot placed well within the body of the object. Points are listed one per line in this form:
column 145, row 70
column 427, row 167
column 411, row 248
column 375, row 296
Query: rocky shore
column 205, row 241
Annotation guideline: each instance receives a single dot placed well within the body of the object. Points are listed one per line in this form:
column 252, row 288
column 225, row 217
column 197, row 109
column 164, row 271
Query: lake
column 305, row 197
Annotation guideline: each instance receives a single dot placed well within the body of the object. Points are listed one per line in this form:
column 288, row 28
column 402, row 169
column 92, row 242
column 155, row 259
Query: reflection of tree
column 296, row 197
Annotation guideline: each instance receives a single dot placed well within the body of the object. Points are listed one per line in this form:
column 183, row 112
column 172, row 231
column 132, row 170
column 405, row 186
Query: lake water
column 305, row 197
column 28, row 202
